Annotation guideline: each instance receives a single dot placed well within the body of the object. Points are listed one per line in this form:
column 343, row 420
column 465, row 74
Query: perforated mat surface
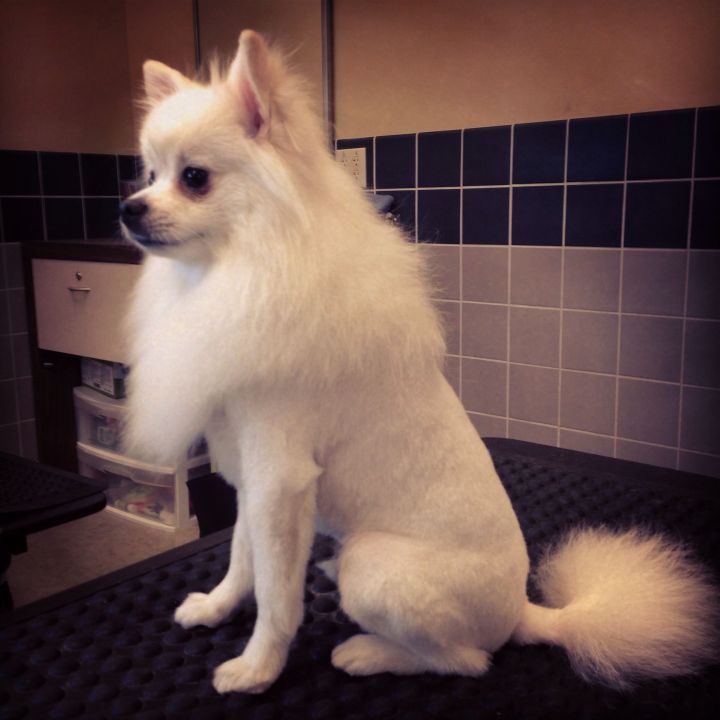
column 26, row 486
column 109, row 649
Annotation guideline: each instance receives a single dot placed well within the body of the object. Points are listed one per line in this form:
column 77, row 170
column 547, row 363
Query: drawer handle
column 79, row 289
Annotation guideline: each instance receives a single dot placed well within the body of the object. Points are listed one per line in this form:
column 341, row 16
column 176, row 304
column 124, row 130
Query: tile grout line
column 16, row 384
column 594, row 373
column 596, row 434
column 506, row 186
column 509, row 282
column 681, row 397
column 82, row 196
column 588, row 311
column 460, row 268
column 562, row 279
column 616, row 419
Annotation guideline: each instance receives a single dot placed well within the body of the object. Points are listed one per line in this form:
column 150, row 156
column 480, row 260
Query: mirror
column 71, row 72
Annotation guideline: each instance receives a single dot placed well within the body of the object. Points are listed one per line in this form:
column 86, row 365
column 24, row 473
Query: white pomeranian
column 282, row 318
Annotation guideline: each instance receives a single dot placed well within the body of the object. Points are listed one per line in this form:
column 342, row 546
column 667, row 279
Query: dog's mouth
column 149, row 242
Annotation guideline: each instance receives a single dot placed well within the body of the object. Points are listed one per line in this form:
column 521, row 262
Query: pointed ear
column 250, row 80
column 162, row 81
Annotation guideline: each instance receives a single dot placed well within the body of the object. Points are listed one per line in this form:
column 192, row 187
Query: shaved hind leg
column 421, row 606
column 370, row 654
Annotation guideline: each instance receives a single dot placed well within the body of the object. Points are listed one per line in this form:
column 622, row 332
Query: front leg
column 210, row 609
column 280, row 497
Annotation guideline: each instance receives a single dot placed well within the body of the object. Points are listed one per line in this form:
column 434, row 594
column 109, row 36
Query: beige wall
column 64, row 75
column 157, row 30
column 413, row 65
column 68, row 70
column 295, row 25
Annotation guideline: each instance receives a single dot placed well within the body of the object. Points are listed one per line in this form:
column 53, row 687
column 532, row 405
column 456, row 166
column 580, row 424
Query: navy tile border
column 706, row 215
column 22, row 219
column 395, row 161
column 64, row 219
column 537, row 215
column 439, row 159
column 60, row 173
column 439, row 216
column 48, row 196
column 539, row 152
column 660, row 146
column 596, row 148
column 19, row 173
column 403, row 208
column 99, row 174
column 594, row 215
column 486, row 216
column 657, row 215
column 486, row 155
column 647, row 156
column 607, row 181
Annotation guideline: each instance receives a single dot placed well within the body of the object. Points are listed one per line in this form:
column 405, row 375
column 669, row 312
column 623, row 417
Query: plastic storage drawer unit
column 100, row 421
column 148, row 493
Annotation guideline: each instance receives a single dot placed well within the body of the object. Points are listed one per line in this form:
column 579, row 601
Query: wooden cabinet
column 80, row 306
column 77, row 298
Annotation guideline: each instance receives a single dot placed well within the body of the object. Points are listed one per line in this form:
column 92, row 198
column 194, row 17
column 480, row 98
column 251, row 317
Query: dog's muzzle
column 132, row 214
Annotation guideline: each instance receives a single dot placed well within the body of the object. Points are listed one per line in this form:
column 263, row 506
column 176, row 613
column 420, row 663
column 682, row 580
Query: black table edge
column 557, row 458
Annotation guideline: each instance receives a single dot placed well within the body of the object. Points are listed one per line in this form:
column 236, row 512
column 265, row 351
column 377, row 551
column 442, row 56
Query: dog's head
column 213, row 154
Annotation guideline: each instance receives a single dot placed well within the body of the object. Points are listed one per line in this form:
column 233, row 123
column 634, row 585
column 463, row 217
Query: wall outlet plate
column 354, row 161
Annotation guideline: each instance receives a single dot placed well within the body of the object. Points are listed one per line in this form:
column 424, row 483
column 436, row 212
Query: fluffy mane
column 251, row 315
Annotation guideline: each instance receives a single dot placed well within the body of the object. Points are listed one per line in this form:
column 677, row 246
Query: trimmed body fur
column 281, row 317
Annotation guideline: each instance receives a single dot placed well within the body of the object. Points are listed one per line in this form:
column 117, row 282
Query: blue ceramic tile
column 22, row 219
column 19, row 173
column 539, row 153
column 594, row 215
column 366, row 143
column 439, row 216
column 596, row 148
column 537, row 216
column 101, row 218
column 486, row 154
column 485, row 216
column 395, row 158
column 707, row 147
column 656, row 215
column 439, row 159
column 99, row 174
column 661, row 145
column 706, row 215
column 60, row 173
column 403, row 206
column 128, row 167
column 64, row 219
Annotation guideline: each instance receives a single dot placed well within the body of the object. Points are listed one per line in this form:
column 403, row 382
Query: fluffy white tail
column 625, row 606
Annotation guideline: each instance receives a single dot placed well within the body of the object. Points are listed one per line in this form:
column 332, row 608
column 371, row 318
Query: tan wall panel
column 411, row 65
column 64, row 76
column 157, row 30
column 68, row 70
column 295, row 25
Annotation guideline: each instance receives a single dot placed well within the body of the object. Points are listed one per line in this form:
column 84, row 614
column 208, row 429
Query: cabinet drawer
column 81, row 306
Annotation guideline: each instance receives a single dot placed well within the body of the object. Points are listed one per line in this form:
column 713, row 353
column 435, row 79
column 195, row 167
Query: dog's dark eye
column 151, row 178
column 195, row 178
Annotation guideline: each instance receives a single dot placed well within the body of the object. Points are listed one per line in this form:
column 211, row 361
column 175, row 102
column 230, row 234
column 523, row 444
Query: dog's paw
column 200, row 609
column 370, row 654
column 239, row 675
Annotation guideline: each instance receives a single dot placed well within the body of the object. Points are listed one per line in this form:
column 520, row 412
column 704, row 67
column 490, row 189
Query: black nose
column 132, row 213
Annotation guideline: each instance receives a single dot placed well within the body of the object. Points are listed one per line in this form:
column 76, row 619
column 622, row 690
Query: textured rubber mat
column 109, row 649
column 27, row 486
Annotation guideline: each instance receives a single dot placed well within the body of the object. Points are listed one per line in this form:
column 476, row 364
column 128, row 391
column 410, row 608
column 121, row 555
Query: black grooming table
column 109, row 648
column 35, row 497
